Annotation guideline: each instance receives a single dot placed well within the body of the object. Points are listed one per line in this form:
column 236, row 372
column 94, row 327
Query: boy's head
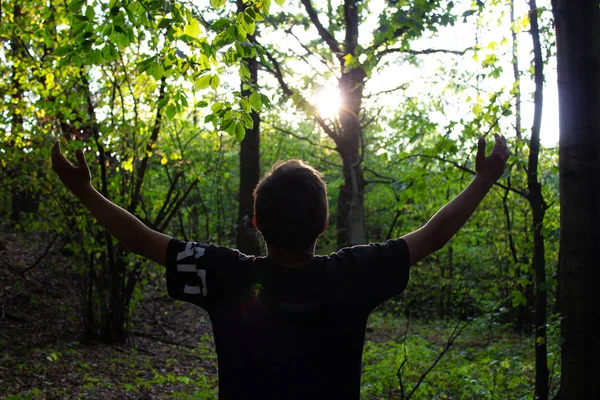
column 290, row 205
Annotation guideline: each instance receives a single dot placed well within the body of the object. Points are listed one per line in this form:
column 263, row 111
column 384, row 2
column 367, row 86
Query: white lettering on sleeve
column 202, row 275
column 189, row 251
column 186, row 267
column 199, row 252
column 191, row 289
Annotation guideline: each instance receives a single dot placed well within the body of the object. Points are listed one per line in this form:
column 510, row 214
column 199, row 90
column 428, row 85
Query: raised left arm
column 124, row 226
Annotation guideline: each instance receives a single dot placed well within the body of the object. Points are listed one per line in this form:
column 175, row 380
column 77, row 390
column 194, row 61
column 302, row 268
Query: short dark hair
column 290, row 205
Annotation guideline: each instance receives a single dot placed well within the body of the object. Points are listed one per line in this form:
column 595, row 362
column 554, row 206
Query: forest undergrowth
column 170, row 353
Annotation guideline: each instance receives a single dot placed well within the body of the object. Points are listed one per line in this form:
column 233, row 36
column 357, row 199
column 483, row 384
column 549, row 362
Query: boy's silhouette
column 290, row 325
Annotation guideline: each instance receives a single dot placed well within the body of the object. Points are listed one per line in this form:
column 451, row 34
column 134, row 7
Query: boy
column 290, row 325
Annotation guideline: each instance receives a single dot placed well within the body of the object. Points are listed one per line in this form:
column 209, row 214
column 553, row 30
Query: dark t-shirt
column 288, row 333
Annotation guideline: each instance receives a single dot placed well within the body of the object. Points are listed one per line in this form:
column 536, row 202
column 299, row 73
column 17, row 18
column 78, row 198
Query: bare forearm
column 118, row 222
column 450, row 218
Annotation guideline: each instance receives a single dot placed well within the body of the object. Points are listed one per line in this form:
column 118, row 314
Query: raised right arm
column 450, row 218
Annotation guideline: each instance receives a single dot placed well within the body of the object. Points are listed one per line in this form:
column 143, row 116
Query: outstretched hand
column 491, row 167
column 75, row 177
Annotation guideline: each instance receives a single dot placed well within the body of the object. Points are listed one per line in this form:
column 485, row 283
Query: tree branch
column 312, row 142
column 300, row 101
column 318, row 56
column 420, row 52
column 324, row 33
column 462, row 168
column 451, row 339
column 141, row 172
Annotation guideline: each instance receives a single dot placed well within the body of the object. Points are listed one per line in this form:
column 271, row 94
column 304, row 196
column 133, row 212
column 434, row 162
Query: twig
column 451, row 339
column 41, row 257
column 312, row 142
column 404, row 361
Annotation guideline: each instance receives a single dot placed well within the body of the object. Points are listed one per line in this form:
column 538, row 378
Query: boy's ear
column 324, row 226
column 254, row 223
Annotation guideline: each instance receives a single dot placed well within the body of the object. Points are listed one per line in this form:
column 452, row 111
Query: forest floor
column 44, row 356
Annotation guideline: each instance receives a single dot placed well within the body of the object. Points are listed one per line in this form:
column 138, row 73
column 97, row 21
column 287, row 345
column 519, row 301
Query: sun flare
column 328, row 102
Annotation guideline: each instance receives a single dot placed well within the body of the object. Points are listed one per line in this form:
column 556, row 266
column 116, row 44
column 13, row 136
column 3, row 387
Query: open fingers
column 81, row 159
column 500, row 147
column 480, row 156
column 58, row 159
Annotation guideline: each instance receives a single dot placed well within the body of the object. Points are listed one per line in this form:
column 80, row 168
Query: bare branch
column 301, row 102
column 41, row 257
column 451, row 339
column 141, row 171
column 177, row 205
column 164, row 209
column 462, row 168
column 400, row 87
column 312, row 142
column 324, row 33
column 420, row 52
column 318, row 56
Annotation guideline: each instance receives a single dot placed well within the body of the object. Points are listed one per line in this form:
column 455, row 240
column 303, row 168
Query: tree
column 247, row 238
column 109, row 77
column 538, row 209
column 578, row 56
column 352, row 63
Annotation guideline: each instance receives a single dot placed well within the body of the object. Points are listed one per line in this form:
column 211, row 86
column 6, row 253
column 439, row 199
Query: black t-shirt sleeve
column 377, row 271
column 198, row 273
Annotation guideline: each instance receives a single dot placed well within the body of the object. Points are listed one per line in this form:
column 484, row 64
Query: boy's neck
column 291, row 258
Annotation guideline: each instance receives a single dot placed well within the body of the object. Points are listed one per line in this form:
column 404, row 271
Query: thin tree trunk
column 524, row 315
column 247, row 238
column 351, row 202
column 577, row 25
column 538, row 209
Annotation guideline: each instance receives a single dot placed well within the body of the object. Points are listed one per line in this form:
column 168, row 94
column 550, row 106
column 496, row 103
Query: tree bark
column 578, row 60
column 524, row 313
column 538, row 208
column 351, row 227
column 247, row 237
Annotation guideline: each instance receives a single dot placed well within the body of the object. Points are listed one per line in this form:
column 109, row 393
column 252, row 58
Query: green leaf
column 219, row 24
column 61, row 51
column 266, row 5
column 201, row 104
column 217, row 3
column 256, row 101
column 156, row 70
column 170, row 111
column 215, row 81
column 245, row 105
column 215, row 108
column 240, row 132
column 280, row 2
column 192, row 28
column 162, row 102
column 75, row 5
column 229, row 126
column 202, row 82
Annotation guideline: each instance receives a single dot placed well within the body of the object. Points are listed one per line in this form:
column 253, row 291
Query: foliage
column 150, row 89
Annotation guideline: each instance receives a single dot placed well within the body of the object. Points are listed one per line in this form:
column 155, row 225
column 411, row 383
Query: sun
column 328, row 102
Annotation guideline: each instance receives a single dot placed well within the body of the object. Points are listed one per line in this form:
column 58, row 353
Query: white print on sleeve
column 191, row 289
column 192, row 249
column 202, row 275
column 199, row 252
column 189, row 251
column 186, row 267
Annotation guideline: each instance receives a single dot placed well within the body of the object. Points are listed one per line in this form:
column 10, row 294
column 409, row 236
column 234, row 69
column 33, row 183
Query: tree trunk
column 247, row 238
column 523, row 315
column 351, row 228
column 538, row 208
column 578, row 61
